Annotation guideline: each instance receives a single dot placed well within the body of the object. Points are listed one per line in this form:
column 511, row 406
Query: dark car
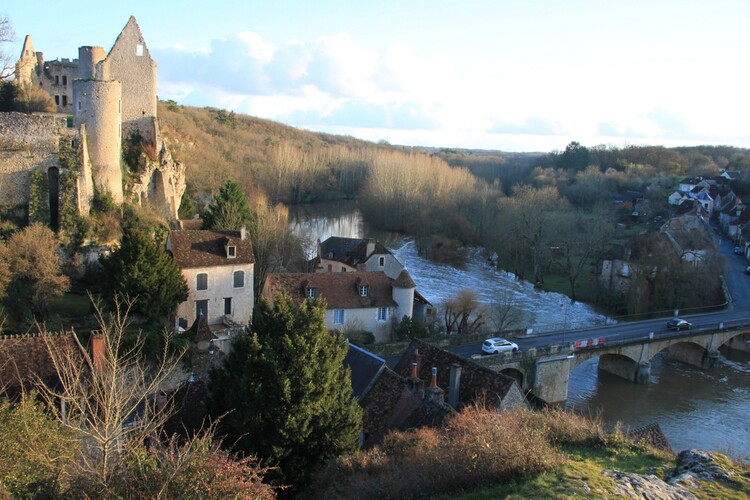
column 678, row 324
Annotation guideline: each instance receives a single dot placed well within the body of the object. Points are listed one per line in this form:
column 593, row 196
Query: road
column 737, row 313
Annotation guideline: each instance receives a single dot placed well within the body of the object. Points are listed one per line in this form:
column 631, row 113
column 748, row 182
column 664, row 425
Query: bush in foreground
column 476, row 447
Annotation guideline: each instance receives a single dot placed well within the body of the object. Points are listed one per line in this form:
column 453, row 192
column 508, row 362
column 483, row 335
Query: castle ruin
column 111, row 97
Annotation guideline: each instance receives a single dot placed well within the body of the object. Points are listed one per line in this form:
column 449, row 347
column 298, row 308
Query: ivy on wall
column 39, row 198
column 69, row 154
column 73, row 227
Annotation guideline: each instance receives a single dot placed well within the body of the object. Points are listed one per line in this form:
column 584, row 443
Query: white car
column 496, row 345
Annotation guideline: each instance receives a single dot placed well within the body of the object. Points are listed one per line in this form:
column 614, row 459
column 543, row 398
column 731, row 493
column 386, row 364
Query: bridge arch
column 688, row 351
column 740, row 342
column 625, row 367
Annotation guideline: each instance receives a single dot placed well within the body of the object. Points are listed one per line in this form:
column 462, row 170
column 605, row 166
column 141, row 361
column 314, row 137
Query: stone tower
column 97, row 113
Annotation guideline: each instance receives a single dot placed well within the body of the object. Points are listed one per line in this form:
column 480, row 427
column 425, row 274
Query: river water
column 695, row 408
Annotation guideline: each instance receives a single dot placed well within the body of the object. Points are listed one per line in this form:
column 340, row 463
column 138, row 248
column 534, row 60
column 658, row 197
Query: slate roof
column 341, row 290
column 365, row 369
column 350, row 251
column 202, row 248
column 477, row 382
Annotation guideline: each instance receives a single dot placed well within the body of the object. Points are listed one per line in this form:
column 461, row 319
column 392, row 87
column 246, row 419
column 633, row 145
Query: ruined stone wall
column 130, row 63
column 27, row 142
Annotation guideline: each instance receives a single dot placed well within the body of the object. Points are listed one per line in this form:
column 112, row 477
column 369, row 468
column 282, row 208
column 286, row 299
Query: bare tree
column 108, row 397
column 463, row 313
column 7, row 35
column 505, row 313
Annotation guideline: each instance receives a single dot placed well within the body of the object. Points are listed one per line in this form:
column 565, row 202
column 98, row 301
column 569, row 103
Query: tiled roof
column 404, row 280
column 477, row 382
column 341, row 290
column 24, row 358
column 200, row 248
column 350, row 251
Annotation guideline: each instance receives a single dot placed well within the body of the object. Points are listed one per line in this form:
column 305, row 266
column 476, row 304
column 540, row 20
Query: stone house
column 219, row 269
column 369, row 301
column 346, row 255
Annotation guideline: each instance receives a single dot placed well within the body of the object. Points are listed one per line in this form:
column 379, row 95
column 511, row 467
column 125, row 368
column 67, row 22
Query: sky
column 511, row 75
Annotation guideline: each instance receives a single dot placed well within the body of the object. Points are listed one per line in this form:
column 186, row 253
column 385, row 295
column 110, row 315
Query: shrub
column 476, row 447
column 360, row 337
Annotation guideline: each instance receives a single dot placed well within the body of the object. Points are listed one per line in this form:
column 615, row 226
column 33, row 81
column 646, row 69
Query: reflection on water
column 695, row 408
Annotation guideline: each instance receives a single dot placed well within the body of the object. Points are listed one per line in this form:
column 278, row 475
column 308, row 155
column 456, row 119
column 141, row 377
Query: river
column 695, row 408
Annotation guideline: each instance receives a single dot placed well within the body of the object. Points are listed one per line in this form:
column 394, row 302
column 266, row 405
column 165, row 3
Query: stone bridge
column 545, row 371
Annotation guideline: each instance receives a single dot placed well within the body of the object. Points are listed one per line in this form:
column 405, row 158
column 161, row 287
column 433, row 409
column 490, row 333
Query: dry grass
column 477, row 447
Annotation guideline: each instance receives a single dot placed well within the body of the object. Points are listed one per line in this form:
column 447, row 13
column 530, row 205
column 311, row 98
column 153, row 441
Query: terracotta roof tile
column 341, row 290
column 200, row 248
column 477, row 382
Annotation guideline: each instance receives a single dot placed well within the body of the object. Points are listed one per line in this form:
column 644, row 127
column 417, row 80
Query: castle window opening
column 139, row 50
column 57, row 100
column 57, row 79
column 79, row 105
column 65, row 80
column 65, row 100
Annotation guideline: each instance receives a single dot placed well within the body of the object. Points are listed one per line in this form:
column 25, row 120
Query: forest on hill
column 549, row 217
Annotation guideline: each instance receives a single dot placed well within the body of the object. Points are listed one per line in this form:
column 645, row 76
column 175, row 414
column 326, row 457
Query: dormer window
column 231, row 252
column 364, row 290
column 381, row 261
column 312, row 293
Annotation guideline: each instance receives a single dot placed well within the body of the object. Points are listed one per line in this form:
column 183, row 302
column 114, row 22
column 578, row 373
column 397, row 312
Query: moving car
column 678, row 324
column 495, row 345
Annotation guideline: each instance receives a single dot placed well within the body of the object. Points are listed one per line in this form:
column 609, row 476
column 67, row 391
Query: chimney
column 370, row 247
column 242, row 233
column 434, row 393
column 414, row 384
column 97, row 351
column 455, row 383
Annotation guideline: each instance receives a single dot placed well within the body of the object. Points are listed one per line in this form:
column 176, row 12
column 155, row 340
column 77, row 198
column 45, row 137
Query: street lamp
column 564, row 307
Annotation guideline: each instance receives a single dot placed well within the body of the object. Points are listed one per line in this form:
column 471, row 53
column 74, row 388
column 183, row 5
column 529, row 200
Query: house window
column 139, row 50
column 338, row 316
column 201, row 308
column 228, row 306
column 381, row 261
column 382, row 313
column 232, row 252
column 312, row 293
column 343, row 269
column 57, row 100
column 239, row 279
column 363, row 290
column 182, row 323
column 201, row 281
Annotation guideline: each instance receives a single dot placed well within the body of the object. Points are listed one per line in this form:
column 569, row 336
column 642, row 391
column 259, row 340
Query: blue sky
column 509, row 75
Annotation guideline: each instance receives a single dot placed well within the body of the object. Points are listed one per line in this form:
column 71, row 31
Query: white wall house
column 348, row 255
column 218, row 267
column 356, row 301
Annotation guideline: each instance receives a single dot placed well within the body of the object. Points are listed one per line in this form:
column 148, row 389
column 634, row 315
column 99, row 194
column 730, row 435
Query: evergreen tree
column 283, row 393
column 229, row 210
column 143, row 270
